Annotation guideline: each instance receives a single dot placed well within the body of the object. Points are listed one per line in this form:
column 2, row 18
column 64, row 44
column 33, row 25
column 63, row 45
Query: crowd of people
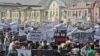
column 11, row 41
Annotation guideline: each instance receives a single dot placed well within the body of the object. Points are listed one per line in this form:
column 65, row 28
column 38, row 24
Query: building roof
column 81, row 6
column 60, row 3
column 98, row 2
column 23, row 2
column 44, row 2
column 8, row 4
column 4, row 9
column 27, row 8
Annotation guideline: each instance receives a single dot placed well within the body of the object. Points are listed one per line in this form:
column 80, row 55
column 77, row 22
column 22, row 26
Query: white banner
column 22, row 32
column 22, row 52
column 34, row 36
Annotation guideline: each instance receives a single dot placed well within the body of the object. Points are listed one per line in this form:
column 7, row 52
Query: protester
column 17, row 45
column 17, row 40
column 2, row 37
column 55, row 50
column 37, row 44
column 91, row 52
column 11, row 45
column 85, row 49
column 33, row 45
column 75, row 50
column 96, row 44
column 29, row 46
column 24, row 46
column 12, row 51
column 67, row 41
column 6, row 42
column 44, row 45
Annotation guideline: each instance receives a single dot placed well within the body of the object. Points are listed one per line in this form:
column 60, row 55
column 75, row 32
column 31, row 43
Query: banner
column 34, row 36
column 22, row 32
column 82, row 37
column 22, row 52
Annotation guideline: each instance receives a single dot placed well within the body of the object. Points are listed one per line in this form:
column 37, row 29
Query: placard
column 34, row 36
column 22, row 52
column 82, row 37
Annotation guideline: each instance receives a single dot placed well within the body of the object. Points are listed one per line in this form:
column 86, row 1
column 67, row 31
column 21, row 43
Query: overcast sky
column 21, row 1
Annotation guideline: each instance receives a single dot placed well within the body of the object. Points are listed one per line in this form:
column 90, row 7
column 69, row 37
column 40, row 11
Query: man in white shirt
column 12, row 51
column 11, row 46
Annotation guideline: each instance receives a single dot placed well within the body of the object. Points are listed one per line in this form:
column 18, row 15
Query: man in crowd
column 91, row 52
column 85, row 49
column 44, row 45
column 96, row 44
column 11, row 49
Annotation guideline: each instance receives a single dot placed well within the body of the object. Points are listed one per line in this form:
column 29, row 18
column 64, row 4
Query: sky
column 30, row 2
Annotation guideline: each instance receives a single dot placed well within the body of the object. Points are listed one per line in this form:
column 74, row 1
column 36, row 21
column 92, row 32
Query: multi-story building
column 38, row 11
column 79, row 11
column 96, row 10
column 4, row 10
column 28, row 14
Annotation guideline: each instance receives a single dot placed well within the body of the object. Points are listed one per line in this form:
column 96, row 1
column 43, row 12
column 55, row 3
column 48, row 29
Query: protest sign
column 34, row 36
column 22, row 52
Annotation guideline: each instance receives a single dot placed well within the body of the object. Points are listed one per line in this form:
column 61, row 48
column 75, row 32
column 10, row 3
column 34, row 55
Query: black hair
column 92, row 46
column 45, row 41
column 55, row 47
column 97, row 41
column 67, row 37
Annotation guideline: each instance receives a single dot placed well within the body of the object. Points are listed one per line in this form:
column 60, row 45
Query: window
column 85, row 13
column 17, row 14
column 54, row 5
column 68, row 13
column 34, row 14
column 56, row 13
column 73, row 14
column 23, row 14
column 46, row 13
column 76, row 14
column 50, row 13
column 96, row 14
column 79, row 13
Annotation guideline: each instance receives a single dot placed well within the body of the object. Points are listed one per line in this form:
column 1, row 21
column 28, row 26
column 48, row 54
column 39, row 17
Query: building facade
column 96, row 10
column 78, row 12
column 27, row 14
column 56, row 11
column 38, row 11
